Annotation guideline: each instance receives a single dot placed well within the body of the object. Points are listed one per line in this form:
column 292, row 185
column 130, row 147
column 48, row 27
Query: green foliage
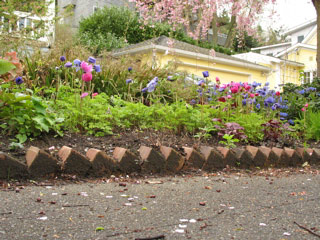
column 313, row 125
column 229, row 141
column 114, row 27
column 252, row 125
column 25, row 115
column 5, row 66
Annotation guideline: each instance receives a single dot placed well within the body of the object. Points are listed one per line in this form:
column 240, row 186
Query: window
column 310, row 58
column 300, row 38
column 306, row 78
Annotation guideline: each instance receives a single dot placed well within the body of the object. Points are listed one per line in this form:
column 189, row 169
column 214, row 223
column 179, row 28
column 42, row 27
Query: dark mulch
column 131, row 139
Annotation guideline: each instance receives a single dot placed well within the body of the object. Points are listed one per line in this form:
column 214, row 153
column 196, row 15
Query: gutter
column 193, row 55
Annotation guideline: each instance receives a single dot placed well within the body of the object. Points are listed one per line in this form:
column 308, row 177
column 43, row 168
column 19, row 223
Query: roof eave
column 180, row 52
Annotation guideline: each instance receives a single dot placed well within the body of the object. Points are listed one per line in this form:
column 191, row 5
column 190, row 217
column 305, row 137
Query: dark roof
column 163, row 41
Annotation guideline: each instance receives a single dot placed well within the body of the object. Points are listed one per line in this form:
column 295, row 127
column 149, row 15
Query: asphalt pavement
column 229, row 206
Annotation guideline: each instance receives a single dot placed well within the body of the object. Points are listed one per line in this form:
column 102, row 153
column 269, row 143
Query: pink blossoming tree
column 198, row 16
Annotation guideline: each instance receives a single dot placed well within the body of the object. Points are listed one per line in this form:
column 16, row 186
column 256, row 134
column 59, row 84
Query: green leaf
column 21, row 137
column 5, row 66
column 41, row 121
column 99, row 229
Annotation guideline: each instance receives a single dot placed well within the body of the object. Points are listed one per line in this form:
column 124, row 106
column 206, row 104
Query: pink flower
column 229, row 96
column 234, row 89
column 86, row 67
column 306, row 105
column 94, row 94
column 83, row 95
column 217, row 79
column 252, row 95
column 87, row 77
column 303, row 109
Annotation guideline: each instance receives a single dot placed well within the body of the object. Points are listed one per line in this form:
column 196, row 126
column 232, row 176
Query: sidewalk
column 230, row 206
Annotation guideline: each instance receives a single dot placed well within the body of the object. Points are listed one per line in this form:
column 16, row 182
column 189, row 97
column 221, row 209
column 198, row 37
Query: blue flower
column 244, row 102
column 77, row 62
column 209, row 99
column 129, row 69
column 255, row 84
column 201, row 82
column 62, row 58
column 311, row 89
column 193, row 102
column 282, row 119
column 205, row 74
column 267, row 84
column 269, row 100
column 152, row 84
column 258, row 106
column 92, row 60
column 144, row 90
column 221, row 89
column 273, row 108
column 97, row 68
column 291, row 122
column 19, row 80
column 301, row 92
column 282, row 114
column 68, row 65
column 128, row 81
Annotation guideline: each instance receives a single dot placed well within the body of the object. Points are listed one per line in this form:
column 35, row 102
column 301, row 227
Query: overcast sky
column 290, row 13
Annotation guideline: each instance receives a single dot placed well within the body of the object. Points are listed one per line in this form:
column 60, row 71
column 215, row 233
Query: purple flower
column 282, row 119
column 301, row 92
column 201, row 82
column 92, row 60
column 193, row 102
column 128, row 81
column 284, row 115
column 77, row 62
column 62, row 58
column 68, row 65
column 244, row 102
column 170, row 78
column 269, row 100
column 205, row 74
column 19, row 80
column 144, row 90
column 97, row 68
column 129, row 69
column 258, row 106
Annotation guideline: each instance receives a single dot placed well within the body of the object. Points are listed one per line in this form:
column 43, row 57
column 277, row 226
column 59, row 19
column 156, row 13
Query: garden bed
column 130, row 139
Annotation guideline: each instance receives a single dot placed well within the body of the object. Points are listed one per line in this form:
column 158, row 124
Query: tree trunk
column 215, row 29
column 231, row 32
column 316, row 4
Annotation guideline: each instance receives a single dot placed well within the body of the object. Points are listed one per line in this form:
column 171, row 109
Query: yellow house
column 194, row 60
column 302, row 48
column 282, row 70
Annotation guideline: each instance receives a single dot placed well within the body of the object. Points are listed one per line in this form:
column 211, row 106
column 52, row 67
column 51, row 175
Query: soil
column 131, row 139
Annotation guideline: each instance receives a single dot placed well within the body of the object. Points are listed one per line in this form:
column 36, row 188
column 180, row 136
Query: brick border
column 40, row 163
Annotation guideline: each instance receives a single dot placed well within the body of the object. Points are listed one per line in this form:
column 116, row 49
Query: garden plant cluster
column 69, row 94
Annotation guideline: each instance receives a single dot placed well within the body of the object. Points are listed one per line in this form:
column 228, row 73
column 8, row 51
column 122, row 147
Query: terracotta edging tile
column 101, row 163
column 152, row 161
column 213, row 159
column 193, row 159
column 127, row 161
column 73, row 162
column 40, row 163
column 174, row 161
column 11, row 168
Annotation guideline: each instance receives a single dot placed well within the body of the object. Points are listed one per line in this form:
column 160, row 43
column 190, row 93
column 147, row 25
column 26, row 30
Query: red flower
column 278, row 93
column 256, row 94
column 222, row 99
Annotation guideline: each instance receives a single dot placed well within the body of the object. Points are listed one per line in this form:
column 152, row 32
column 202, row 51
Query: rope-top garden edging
column 40, row 163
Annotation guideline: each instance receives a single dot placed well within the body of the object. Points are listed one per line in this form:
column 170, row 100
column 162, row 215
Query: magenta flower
column 86, row 67
column 83, row 95
column 87, row 77
column 94, row 94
